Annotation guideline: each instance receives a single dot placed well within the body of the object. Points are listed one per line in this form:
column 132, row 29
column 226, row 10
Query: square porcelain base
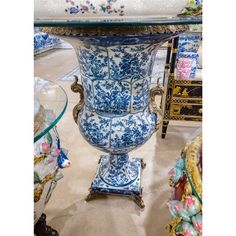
column 134, row 188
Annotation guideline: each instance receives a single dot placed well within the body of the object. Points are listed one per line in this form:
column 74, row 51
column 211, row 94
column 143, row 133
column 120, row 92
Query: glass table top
column 120, row 22
column 54, row 100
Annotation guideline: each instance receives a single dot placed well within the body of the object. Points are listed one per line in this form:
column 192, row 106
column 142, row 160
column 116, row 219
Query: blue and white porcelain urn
column 116, row 116
column 117, row 111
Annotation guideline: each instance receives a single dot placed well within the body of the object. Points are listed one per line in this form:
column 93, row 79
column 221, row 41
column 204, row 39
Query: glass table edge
column 113, row 23
column 53, row 124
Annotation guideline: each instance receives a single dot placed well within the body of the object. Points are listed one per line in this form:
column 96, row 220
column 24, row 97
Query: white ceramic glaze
column 106, row 9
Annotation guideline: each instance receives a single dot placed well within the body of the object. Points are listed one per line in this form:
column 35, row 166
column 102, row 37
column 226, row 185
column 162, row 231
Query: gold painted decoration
column 175, row 110
column 176, row 90
column 185, row 93
column 39, row 190
column 37, row 193
column 191, row 163
column 187, row 190
column 38, row 159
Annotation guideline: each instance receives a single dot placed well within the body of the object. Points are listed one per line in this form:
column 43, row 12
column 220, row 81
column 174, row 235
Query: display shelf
column 182, row 100
column 54, row 100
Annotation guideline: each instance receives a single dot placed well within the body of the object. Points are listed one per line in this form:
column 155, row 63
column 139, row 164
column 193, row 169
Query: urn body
column 116, row 77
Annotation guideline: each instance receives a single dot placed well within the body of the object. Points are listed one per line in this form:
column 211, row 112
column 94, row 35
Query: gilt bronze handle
column 157, row 90
column 77, row 88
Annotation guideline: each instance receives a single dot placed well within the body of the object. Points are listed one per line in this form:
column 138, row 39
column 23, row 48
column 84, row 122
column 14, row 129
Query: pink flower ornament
column 187, row 232
column 197, row 222
column 190, row 201
column 192, row 205
column 171, row 173
column 46, row 148
column 185, row 229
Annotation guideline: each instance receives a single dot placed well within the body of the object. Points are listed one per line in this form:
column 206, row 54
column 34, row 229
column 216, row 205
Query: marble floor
column 118, row 216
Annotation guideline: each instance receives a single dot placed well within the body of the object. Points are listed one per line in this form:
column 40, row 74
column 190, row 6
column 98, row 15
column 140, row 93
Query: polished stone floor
column 117, row 216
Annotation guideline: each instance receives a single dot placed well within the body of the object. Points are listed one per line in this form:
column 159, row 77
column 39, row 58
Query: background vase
column 189, row 44
column 187, row 65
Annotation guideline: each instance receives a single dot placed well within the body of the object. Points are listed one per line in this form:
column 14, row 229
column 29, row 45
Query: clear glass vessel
column 50, row 105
